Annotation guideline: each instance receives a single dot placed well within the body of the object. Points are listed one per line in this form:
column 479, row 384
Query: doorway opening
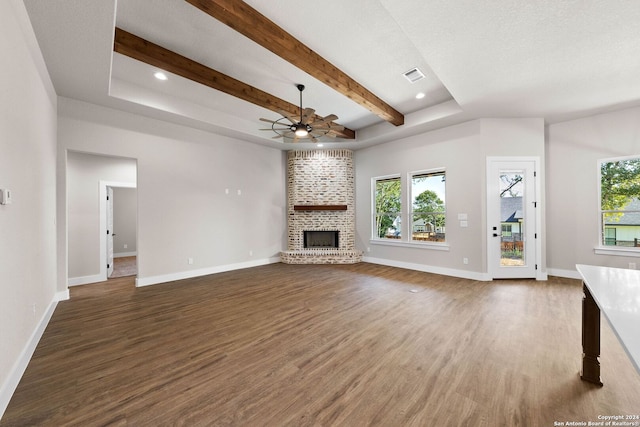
column 118, row 219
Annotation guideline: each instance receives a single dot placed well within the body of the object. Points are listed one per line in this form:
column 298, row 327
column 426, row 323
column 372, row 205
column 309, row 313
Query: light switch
column 462, row 217
column 464, row 224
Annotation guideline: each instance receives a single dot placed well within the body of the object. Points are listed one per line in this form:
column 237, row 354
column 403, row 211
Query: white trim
column 62, row 295
column 409, row 201
column 569, row 274
column 124, row 254
column 103, row 222
column 616, row 251
column 154, row 280
column 471, row 275
column 538, row 183
column 415, row 245
column 17, row 370
column 373, row 212
column 83, row 280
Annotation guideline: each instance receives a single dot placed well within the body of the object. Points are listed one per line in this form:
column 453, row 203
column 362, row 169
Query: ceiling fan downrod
column 301, row 129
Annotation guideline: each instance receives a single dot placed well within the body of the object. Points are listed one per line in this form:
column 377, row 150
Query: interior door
column 511, row 218
column 109, row 231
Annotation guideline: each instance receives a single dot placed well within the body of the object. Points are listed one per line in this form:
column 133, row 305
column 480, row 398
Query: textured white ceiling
column 500, row 58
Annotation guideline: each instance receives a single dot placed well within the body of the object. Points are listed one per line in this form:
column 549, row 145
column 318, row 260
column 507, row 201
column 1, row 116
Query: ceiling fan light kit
column 292, row 129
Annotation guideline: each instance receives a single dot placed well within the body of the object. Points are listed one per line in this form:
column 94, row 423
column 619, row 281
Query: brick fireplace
column 320, row 203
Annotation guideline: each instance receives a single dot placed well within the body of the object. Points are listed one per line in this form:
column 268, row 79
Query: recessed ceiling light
column 160, row 76
column 420, row 95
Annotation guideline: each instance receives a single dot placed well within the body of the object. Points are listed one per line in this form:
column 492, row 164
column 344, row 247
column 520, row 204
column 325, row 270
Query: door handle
column 497, row 235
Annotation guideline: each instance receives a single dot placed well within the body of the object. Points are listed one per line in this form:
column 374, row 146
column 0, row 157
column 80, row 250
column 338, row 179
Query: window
column 620, row 202
column 427, row 216
column 388, row 208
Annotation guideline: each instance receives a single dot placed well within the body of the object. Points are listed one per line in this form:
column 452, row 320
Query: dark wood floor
column 298, row 345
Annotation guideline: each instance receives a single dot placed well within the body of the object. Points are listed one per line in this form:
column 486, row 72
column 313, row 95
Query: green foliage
column 619, row 183
column 425, row 207
column 388, row 204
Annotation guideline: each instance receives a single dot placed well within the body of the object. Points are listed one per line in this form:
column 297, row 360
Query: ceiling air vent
column 414, row 75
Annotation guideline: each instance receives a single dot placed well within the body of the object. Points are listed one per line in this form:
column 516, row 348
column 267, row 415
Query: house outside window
column 388, row 208
column 620, row 202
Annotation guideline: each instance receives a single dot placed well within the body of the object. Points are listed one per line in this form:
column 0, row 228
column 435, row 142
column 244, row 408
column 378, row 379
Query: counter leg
column 590, row 339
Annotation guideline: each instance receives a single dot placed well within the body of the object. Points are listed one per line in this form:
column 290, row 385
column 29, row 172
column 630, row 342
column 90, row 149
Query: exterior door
column 511, row 218
column 109, row 231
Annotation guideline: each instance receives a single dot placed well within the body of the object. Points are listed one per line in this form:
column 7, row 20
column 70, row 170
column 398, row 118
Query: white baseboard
column 154, row 280
column 76, row 281
column 13, row 379
column 472, row 275
column 125, row 254
column 62, row 296
column 569, row 274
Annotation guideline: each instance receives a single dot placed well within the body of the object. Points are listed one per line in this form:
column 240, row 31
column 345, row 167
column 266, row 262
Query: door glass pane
column 512, row 218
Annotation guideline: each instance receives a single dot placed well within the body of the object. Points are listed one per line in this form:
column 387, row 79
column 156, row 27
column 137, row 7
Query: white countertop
column 617, row 293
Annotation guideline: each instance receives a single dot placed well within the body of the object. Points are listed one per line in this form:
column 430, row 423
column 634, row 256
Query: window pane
column 388, row 206
column 428, row 204
column 511, row 187
column 619, row 202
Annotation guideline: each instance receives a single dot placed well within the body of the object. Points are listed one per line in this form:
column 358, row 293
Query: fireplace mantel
column 320, row 207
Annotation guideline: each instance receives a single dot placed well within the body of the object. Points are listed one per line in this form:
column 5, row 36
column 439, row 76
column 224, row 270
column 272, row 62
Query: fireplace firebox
column 321, row 239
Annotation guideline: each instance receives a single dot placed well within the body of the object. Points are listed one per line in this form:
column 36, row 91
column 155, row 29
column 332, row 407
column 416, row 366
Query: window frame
column 601, row 248
column 405, row 197
column 411, row 211
column 374, row 211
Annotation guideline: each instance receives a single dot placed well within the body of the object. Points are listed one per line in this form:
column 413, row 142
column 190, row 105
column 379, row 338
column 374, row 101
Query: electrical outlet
column 250, row 253
column 190, row 261
column 126, row 246
column 465, row 261
column 5, row 196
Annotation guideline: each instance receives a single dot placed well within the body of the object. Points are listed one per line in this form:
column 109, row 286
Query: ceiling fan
column 307, row 127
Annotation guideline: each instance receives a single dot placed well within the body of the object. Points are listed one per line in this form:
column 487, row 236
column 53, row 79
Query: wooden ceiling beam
column 143, row 50
column 257, row 27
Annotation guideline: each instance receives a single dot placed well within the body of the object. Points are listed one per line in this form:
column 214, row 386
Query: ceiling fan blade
column 329, row 118
column 276, row 137
column 306, row 115
column 267, row 120
column 288, row 117
column 274, row 129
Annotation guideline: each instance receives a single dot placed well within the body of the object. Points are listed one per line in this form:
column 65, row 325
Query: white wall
column 573, row 151
column 27, row 167
column 125, row 214
column 84, row 174
column 462, row 150
column 184, row 210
